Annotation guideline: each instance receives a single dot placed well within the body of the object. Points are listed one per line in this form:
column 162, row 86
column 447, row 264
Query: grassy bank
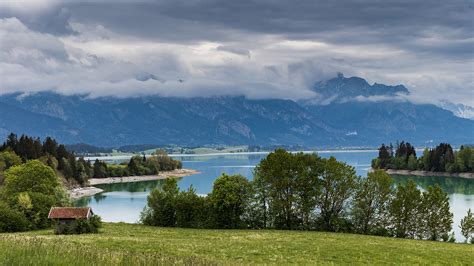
column 125, row 244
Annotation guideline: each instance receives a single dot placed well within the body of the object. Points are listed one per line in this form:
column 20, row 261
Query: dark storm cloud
column 400, row 23
column 256, row 48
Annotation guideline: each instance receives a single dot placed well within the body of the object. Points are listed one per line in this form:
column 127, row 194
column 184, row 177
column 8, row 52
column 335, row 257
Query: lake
column 124, row 202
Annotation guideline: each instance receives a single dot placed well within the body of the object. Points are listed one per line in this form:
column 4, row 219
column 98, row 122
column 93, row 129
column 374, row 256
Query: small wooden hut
column 66, row 218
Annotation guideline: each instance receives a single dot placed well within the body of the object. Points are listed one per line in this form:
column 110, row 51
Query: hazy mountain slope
column 372, row 114
column 370, row 122
column 193, row 121
column 344, row 113
column 15, row 119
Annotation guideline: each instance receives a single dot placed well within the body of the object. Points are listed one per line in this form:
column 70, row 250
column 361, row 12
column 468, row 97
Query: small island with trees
column 441, row 160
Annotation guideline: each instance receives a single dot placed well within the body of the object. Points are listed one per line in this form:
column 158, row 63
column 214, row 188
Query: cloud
column 40, row 15
column 234, row 50
column 257, row 49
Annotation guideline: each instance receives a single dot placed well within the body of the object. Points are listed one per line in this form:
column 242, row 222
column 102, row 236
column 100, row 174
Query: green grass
column 126, row 244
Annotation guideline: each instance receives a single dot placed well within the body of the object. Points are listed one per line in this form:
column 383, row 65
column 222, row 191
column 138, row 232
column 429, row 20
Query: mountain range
column 346, row 112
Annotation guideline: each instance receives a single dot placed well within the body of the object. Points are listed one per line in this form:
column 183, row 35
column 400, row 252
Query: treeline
column 307, row 192
column 442, row 158
column 49, row 152
column 79, row 170
column 138, row 165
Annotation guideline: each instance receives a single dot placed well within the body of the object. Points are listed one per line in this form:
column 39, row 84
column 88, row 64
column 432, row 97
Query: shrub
column 11, row 220
column 78, row 226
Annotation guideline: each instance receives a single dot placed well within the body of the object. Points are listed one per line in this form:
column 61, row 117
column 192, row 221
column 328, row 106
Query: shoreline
column 90, row 190
column 426, row 173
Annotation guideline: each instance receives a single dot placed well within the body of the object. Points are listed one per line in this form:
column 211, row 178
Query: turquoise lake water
column 124, row 202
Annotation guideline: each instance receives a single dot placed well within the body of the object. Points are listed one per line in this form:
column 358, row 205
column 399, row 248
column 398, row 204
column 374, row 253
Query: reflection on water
column 450, row 185
column 125, row 201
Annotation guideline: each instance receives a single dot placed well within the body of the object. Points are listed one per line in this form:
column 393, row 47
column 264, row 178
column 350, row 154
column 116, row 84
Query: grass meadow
column 127, row 244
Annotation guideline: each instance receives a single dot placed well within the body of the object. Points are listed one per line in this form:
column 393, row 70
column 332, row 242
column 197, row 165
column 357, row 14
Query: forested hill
column 338, row 116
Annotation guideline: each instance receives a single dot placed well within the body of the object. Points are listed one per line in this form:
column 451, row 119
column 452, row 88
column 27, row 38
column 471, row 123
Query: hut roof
column 70, row 213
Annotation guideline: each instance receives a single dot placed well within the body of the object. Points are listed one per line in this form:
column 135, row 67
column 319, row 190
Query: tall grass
column 21, row 250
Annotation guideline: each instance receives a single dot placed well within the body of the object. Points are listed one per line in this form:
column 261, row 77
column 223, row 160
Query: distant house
column 66, row 219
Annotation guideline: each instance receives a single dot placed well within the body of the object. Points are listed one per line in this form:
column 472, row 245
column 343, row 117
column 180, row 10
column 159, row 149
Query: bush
column 11, row 220
column 78, row 226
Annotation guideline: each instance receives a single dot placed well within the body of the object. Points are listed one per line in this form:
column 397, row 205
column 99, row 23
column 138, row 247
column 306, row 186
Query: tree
column 229, row 199
column 404, row 211
column 32, row 176
column 8, row 159
column 427, row 160
column 11, row 220
column 278, row 177
column 435, row 214
column 338, row 183
column 50, row 146
column 308, row 169
column 371, row 201
column 161, row 205
column 62, row 152
column 100, row 169
column 467, row 226
column 191, row 209
column 384, row 156
column 257, row 211
column 412, row 163
column 33, row 188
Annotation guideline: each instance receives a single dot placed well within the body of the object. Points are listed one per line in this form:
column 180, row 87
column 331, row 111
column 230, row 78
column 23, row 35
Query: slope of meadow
column 127, row 244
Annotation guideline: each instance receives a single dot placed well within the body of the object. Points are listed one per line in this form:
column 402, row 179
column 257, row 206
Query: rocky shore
column 90, row 190
column 428, row 173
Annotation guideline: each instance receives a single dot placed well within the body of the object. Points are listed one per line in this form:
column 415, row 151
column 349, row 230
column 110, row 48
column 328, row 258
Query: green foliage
column 99, row 169
column 405, row 212
column 11, row 220
column 412, row 162
column 33, row 188
column 286, row 187
column 467, row 226
column 370, row 204
column 191, row 209
column 78, row 226
column 161, row 206
column 228, row 201
column 436, row 217
column 33, row 176
column 440, row 159
column 304, row 191
column 8, row 159
column 338, row 184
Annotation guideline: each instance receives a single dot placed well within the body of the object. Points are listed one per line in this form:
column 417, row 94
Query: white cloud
column 75, row 53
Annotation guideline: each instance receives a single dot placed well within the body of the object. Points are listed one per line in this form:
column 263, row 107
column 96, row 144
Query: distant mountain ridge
column 341, row 88
column 331, row 120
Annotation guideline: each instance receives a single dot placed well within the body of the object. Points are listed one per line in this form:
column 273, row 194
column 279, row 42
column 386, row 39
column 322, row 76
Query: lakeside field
column 128, row 244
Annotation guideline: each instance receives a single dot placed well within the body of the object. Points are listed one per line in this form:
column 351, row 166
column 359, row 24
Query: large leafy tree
column 33, row 188
column 435, row 214
column 161, row 206
column 405, row 211
column 277, row 174
column 308, row 169
column 370, row 204
column 338, row 183
column 229, row 199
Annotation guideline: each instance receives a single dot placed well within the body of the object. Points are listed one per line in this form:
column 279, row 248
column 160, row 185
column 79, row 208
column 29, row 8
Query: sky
column 259, row 49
